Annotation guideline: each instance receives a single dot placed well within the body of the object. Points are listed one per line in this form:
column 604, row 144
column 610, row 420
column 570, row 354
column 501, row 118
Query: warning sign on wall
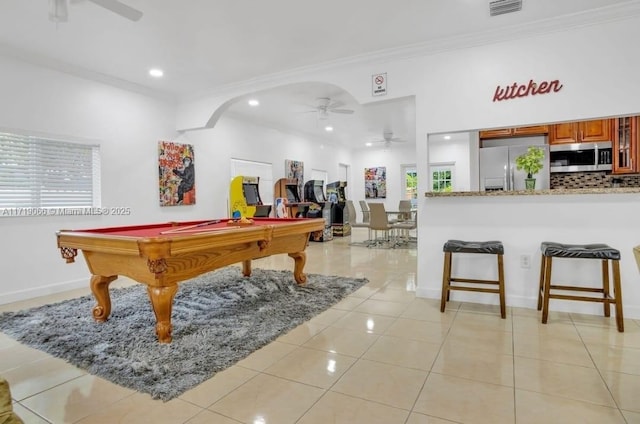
column 379, row 84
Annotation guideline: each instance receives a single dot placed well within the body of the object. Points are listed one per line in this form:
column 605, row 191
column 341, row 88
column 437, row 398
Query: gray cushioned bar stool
column 600, row 252
column 486, row 247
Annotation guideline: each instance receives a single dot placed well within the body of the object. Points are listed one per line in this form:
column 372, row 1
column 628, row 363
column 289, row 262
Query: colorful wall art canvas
column 375, row 183
column 177, row 179
column 295, row 169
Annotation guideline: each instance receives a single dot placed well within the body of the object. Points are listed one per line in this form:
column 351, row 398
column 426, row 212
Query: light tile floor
column 379, row 356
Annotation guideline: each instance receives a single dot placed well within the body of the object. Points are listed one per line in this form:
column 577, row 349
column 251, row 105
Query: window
column 410, row 183
column 442, row 177
column 37, row 172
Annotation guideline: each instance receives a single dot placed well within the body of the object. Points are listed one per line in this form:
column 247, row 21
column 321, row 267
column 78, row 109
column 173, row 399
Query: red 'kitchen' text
column 522, row 90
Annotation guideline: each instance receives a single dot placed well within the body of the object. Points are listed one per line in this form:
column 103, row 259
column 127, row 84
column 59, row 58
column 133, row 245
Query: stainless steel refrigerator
column 498, row 169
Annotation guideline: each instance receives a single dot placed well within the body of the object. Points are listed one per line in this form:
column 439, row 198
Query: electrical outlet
column 525, row 261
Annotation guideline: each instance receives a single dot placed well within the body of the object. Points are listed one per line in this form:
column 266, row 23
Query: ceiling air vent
column 500, row 7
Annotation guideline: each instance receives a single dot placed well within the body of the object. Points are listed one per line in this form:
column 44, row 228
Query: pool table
column 162, row 255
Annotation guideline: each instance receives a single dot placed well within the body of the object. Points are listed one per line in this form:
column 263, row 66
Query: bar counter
column 557, row 191
column 522, row 220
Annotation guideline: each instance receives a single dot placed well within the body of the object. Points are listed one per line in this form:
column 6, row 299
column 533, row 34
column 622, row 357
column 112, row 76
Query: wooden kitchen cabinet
column 581, row 132
column 502, row 132
column 532, row 130
column 515, row 132
column 626, row 141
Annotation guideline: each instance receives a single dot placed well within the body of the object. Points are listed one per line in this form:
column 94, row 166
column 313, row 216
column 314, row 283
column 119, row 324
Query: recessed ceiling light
column 447, row 137
column 368, row 144
column 253, row 103
column 155, row 72
column 328, row 128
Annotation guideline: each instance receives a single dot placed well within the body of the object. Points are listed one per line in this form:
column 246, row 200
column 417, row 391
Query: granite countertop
column 558, row 191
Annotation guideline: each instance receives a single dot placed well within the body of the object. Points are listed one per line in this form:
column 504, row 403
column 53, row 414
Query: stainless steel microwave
column 580, row 157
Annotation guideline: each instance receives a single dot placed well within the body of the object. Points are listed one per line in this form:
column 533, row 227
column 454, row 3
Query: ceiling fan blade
column 119, row 8
column 345, row 111
column 58, row 11
column 336, row 104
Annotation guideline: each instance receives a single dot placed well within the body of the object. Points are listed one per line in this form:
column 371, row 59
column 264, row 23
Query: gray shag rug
column 383, row 244
column 218, row 319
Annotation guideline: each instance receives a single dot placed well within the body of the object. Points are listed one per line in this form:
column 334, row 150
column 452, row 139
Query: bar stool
column 485, row 247
column 601, row 252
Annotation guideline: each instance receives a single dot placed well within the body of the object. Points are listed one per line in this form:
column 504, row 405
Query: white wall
column 591, row 62
column 128, row 127
column 391, row 158
column 454, row 91
column 231, row 138
column 522, row 223
column 600, row 87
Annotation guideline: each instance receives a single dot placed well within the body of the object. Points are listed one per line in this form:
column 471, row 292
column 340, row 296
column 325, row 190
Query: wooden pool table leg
column 100, row 290
column 162, row 302
column 246, row 268
column 300, row 258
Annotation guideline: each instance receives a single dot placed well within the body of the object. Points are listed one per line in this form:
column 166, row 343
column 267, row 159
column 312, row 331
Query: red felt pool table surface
column 178, row 229
column 162, row 255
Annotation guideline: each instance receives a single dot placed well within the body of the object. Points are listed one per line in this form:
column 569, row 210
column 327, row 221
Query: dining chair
column 353, row 221
column 380, row 222
column 404, row 207
column 404, row 229
column 365, row 211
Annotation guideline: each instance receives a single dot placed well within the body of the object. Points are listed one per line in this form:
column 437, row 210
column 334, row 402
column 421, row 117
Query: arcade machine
column 244, row 198
column 314, row 193
column 287, row 188
column 339, row 212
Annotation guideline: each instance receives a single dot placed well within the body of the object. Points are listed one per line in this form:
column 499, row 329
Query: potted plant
column 531, row 163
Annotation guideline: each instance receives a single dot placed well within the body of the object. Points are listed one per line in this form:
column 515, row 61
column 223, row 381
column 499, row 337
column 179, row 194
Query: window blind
column 37, row 172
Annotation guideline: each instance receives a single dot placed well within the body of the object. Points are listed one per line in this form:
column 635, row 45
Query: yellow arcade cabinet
column 244, row 198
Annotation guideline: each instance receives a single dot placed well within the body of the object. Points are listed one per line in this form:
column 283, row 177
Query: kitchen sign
column 523, row 90
column 379, row 84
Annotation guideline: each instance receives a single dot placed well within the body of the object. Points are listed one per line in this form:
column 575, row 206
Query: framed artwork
column 375, row 183
column 295, row 169
column 177, row 175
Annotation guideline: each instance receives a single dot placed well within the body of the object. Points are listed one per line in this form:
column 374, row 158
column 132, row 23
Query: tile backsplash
column 592, row 180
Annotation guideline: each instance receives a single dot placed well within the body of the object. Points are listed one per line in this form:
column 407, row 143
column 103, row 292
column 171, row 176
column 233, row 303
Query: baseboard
column 47, row 290
column 588, row 308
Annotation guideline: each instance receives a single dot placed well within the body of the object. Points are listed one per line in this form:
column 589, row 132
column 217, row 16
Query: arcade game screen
column 292, row 194
column 251, row 194
column 319, row 193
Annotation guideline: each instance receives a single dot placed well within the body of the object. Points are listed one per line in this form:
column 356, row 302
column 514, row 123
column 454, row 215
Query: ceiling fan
column 324, row 106
column 58, row 9
column 388, row 138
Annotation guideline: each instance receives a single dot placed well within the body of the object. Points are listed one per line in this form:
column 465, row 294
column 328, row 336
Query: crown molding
column 83, row 73
column 622, row 11
column 618, row 12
